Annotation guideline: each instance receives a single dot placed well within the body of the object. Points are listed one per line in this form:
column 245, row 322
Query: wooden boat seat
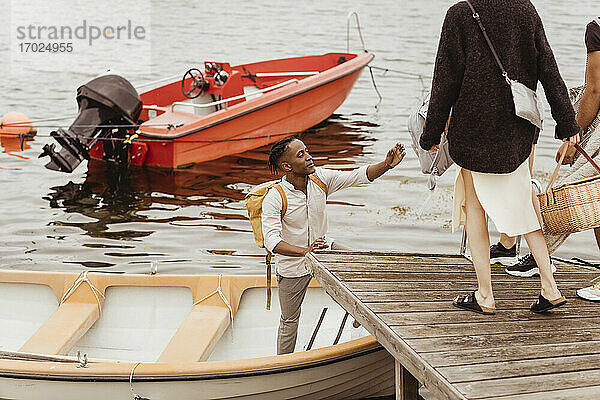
column 198, row 335
column 63, row 329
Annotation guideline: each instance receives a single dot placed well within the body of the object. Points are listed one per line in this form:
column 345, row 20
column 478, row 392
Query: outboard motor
column 108, row 107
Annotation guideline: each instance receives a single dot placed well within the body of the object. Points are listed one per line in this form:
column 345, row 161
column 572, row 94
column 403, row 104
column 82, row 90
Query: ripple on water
column 193, row 220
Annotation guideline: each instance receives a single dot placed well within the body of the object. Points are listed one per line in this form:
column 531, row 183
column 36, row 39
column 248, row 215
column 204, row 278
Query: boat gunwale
column 372, row 346
column 314, row 82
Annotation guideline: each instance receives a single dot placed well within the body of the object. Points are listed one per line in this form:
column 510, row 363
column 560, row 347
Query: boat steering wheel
column 198, row 85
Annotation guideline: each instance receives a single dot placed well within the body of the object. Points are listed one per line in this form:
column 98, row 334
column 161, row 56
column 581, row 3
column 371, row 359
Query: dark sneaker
column 526, row 267
column 502, row 255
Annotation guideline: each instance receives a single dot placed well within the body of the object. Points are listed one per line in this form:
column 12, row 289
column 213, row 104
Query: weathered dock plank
column 495, row 328
column 446, row 358
column 403, row 276
column 442, row 295
column 517, row 368
column 404, row 300
column 529, row 384
column 382, row 286
column 440, row 305
column 466, row 341
column 580, row 393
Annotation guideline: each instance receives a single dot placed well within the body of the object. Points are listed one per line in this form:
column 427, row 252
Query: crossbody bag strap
column 487, row 39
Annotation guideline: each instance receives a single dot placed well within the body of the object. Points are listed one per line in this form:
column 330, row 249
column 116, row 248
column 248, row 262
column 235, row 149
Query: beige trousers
column 291, row 295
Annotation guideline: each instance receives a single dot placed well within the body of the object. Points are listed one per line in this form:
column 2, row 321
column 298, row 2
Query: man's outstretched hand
column 395, row 155
column 392, row 158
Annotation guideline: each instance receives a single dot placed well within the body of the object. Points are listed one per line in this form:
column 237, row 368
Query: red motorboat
column 232, row 109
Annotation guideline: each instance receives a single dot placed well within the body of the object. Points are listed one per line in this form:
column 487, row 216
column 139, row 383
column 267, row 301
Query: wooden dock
column 405, row 301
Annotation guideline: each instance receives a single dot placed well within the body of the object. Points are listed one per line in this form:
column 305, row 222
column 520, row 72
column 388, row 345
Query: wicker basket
column 574, row 206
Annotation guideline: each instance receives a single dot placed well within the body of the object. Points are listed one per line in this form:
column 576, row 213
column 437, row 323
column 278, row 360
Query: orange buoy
column 16, row 123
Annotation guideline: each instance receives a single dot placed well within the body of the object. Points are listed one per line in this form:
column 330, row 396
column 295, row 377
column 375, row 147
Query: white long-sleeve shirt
column 306, row 217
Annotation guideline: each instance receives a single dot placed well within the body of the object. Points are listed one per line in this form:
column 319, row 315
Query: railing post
column 407, row 386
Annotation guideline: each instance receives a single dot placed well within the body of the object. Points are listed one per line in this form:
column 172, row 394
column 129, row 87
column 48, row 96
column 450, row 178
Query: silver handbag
column 432, row 163
column 525, row 99
column 526, row 102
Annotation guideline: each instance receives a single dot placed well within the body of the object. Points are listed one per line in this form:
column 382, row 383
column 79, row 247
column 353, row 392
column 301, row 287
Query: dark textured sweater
column 484, row 133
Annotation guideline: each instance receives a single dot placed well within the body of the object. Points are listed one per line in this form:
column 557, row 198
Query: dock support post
column 407, row 386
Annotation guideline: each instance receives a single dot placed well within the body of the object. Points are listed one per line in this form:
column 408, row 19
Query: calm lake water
column 193, row 220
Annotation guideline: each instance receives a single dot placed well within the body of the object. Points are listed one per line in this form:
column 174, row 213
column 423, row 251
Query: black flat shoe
column 469, row 302
column 543, row 305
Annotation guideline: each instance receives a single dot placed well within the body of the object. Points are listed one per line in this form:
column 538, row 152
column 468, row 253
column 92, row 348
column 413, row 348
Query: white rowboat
column 172, row 337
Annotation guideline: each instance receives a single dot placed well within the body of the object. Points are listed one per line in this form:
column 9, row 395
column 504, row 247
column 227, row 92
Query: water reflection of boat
column 171, row 336
column 219, row 179
column 111, row 195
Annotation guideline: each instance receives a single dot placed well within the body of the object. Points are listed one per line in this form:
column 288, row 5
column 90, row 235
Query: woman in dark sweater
column 486, row 139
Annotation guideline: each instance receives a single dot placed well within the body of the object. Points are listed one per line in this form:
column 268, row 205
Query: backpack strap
column 268, row 264
column 284, row 202
column 319, row 183
column 284, row 206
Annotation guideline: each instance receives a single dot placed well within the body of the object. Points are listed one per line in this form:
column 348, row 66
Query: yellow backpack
column 254, row 201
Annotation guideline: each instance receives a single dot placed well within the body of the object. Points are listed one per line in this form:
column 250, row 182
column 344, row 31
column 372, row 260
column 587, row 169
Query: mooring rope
column 218, row 291
column 151, row 140
column 135, row 395
column 82, row 278
column 376, row 89
column 409, row 74
column 33, row 121
column 22, row 124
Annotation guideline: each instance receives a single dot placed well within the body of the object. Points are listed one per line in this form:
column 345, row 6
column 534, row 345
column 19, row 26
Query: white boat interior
column 102, row 335
column 138, row 322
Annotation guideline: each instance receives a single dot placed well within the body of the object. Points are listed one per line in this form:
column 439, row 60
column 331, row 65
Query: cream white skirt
column 506, row 199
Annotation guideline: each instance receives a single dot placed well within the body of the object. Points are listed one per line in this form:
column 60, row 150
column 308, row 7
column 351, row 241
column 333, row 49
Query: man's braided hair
column 277, row 151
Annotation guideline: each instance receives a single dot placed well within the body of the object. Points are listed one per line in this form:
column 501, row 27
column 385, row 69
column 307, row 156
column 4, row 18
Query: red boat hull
column 249, row 124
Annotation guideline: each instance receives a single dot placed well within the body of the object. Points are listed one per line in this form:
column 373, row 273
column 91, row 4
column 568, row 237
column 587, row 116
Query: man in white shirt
column 303, row 227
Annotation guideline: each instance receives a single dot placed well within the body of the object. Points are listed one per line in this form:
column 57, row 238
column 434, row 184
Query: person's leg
column 536, row 206
column 537, row 246
column 479, row 242
column 509, row 241
column 531, row 158
column 291, row 295
column 527, row 265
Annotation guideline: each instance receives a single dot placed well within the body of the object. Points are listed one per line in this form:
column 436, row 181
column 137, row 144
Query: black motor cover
column 116, row 93
column 106, row 100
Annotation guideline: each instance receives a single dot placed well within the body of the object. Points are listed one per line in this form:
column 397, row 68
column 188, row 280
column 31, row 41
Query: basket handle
column 562, row 157
column 587, row 156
